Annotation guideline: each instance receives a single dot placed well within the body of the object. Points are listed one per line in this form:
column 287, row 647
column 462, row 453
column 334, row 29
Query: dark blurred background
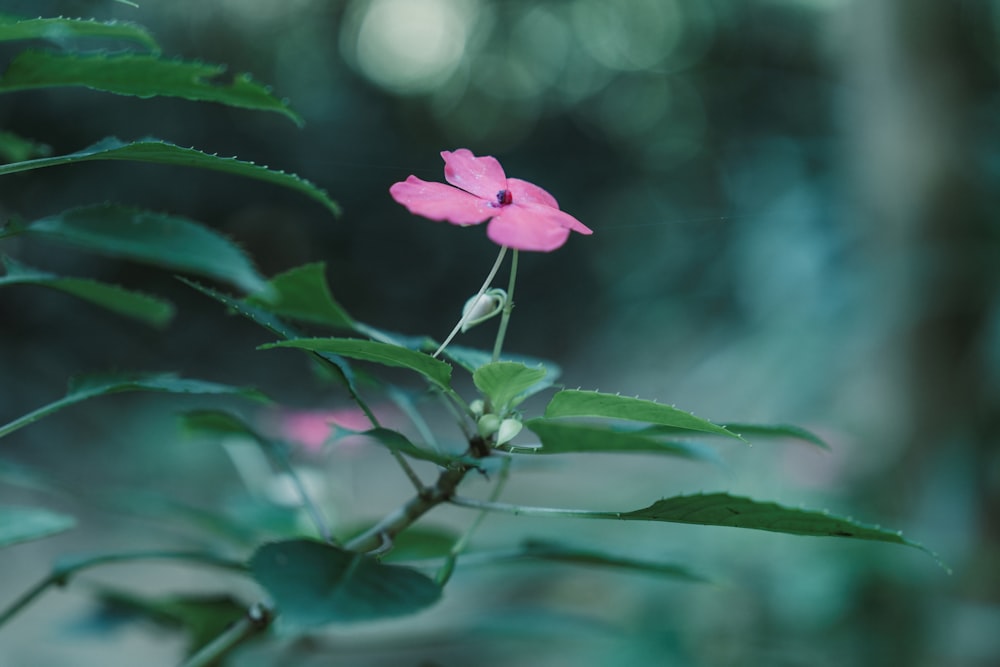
column 793, row 213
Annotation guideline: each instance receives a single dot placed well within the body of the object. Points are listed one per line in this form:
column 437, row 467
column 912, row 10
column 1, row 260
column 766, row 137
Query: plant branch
column 257, row 619
column 400, row 519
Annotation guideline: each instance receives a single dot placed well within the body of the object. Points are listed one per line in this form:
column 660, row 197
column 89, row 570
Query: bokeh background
column 793, row 213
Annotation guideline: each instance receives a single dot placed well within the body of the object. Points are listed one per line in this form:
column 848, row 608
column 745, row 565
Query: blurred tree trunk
column 921, row 93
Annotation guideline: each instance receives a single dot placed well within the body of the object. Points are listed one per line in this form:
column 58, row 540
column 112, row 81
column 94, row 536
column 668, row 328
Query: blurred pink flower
column 522, row 215
column 312, row 428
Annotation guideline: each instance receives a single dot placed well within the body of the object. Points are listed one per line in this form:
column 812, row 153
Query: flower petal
column 482, row 176
column 527, row 228
column 525, row 192
column 438, row 201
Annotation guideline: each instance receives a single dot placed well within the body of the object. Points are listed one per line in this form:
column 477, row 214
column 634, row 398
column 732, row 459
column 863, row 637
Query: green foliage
column 59, row 29
column 303, row 294
column 506, row 384
column 560, row 437
column 163, row 240
column 721, row 509
column 151, row 310
column 397, row 442
column 576, row 403
column 157, row 151
column 90, row 386
column 15, row 148
column 437, row 372
column 24, row 524
column 140, row 75
column 315, row 584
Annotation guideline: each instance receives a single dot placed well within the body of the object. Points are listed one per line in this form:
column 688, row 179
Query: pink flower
column 522, row 215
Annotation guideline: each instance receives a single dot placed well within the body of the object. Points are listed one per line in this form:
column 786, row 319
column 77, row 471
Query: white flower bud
column 507, row 430
column 477, row 408
column 482, row 307
column 488, row 425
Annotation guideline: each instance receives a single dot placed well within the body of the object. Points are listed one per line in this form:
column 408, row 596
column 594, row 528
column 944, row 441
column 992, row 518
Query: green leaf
column 507, row 383
column 576, row 403
column 561, row 553
column 302, row 293
column 85, row 387
column 216, row 423
column 314, row 584
column 157, row 151
column 777, row 431
column 23, row 524
column 148, row 309
column 164, row 240
column 140, row 75
column 566, row 438
column 60, row 29
column 437, row 372
column 471, row 359
column 420, row 543
column 14, row 148
column 722, row 509
column 398, row 442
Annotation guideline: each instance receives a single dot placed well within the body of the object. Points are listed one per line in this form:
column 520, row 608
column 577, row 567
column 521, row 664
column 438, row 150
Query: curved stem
column 507, row 308
column 482, row 290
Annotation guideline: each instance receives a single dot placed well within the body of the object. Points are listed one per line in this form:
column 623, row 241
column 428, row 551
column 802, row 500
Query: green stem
column 482, row 290
column 255, row 621
column 396, row 522
column 61, row 574
column 444, row 574
column 507, row 307
column 526, row 510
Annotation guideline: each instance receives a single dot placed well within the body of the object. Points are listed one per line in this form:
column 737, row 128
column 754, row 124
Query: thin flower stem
column 482, row 290
column 255, row 621
column 61, row 574
column 444, row 574
column 507, row 307
column 526, row 510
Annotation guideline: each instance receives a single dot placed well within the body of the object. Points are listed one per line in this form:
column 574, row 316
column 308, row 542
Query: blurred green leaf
column 314, row 584
column 15, row 148
column 576, row 403
column 89, row 386
column 777, row 431
column 722, row 509
column 398, row 442
column 164, row 240
column 140, row 75
column 59, row 29
column 148, row 309
column 24, row 524
column 157, row 151
column 560, row 437
column 302, row 293
column 216, row 423
column 201, row 617
column 437, row 372
column 507, row 383
column 421, row 542
column 562, row 553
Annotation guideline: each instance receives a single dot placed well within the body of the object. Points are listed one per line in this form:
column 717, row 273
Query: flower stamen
column 504, row 198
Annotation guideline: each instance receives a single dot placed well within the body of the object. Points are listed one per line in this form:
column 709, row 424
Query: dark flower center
column 504, row 197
